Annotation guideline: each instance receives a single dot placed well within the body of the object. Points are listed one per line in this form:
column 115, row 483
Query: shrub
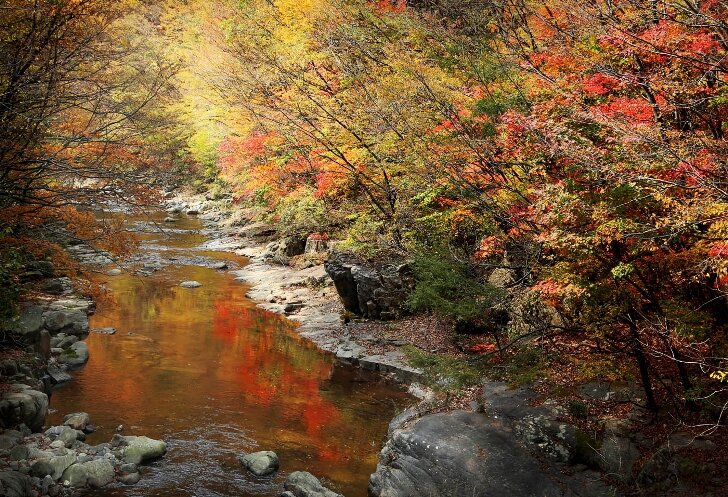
column 447, row 288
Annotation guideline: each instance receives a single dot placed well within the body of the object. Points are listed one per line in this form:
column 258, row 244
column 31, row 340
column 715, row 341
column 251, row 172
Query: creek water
column 214, row 376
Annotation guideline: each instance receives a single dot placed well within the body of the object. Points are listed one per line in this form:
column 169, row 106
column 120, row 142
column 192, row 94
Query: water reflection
column 213, row 375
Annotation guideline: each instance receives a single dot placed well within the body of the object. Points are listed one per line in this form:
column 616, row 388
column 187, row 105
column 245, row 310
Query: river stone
column 304, row 484
column 142, row 449
column 19, row 453
column 41, row 469
column 77, row 420
column 60, row 464
column 105, row 331
column 260, row 463
column 114, row 272
column 96, row 473
column 130, row 479
column 190, row 284
column 7, row 442
column 57, row 374
column 15, row 484
column 75, row 355
column 23, row 405
column 66, row 341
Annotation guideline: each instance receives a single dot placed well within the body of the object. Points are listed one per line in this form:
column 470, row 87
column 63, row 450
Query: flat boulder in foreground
column 459, row 454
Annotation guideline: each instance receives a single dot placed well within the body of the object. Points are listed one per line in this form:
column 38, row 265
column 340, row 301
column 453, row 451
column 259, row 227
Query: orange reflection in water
column 215, row 376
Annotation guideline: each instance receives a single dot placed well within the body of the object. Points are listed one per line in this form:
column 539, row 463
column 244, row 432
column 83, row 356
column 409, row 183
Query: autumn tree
column 80, row 88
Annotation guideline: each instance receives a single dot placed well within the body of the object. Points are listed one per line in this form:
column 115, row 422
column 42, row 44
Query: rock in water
column 105, row 331
column 304, row 484
column 57, row 374
column 142, row 449
column 260, row 463
column 77, row 420
column 76, row 355
column 190, row 284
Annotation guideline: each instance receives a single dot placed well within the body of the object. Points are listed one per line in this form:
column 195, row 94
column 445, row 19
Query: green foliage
column 365, row 234
column 443, row 373
column 302, row 213
column 447, row 288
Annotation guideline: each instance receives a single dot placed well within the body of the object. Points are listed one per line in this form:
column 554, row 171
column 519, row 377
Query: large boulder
column 260, row 463
column 76, row 355
column 459, row 454
column 15, row 484
column 68, row 316
column 143, row 449
column 281, row 250
column 304, row 484
column 59, row 464
column 377, row 293
column 96, row 473
column 27, row 324
column 23, row 405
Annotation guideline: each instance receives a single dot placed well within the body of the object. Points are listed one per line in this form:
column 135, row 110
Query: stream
column 214, row 376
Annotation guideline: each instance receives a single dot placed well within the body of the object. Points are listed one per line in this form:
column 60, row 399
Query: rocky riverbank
column 508, row 441
column 49, row 332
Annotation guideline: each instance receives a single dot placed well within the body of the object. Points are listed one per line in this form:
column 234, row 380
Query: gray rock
column 142, row 449
column 128, row 468
column 23, row 405
column 42, row 469
column 304, row 484
column 77, row 420
column 67, row 341
column 96, row 473
column 190, row 284
column 170, row 219
column 46, row 268
column 114, row 272
column 104, row 331
column 260, row 463
column 57, row 374
column 15, row 484
column 57, row 286
column 19, row 452
column 130, row 479
column 219, row 265
column 70, row 317
column 60, row 464
column 370, row 292
column 618, row 456
column 459, row 454
column 64, row 434
column 76, row 355
column 348, row 350
column 27, row 324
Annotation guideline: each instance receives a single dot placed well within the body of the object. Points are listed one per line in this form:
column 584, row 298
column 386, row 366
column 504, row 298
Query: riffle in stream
column 214, row 376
